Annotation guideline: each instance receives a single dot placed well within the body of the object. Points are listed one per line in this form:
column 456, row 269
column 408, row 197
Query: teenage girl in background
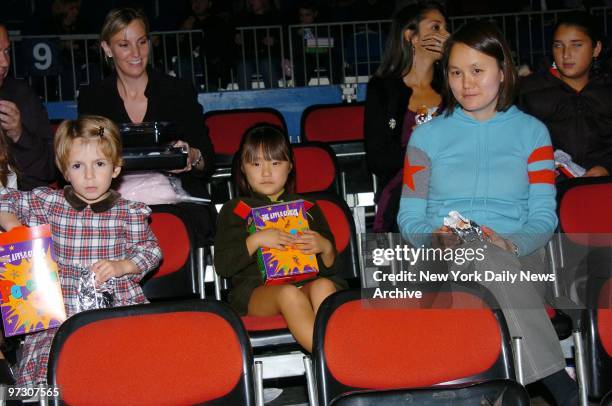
column 573, row 100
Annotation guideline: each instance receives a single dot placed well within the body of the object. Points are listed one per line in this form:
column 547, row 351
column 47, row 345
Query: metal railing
column 529, row 34
column 329, row 53
column 56, row 66
column 262, row 57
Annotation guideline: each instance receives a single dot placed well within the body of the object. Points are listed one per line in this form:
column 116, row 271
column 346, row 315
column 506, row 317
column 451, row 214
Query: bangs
column 270, row 148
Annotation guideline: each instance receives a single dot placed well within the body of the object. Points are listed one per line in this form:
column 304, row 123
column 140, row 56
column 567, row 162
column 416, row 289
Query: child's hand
column 273, row 238
column 8, row 221
column 106, row 269
column 311, row 242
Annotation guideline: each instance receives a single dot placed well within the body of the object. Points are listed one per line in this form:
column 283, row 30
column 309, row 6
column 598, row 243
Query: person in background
column 404, row 91
column 26, row 125
column 493, row 164
column 215, row 46
column 311, row 59
column 573, row 98
column 64, row 18
column 258, row 51
column 135, row 93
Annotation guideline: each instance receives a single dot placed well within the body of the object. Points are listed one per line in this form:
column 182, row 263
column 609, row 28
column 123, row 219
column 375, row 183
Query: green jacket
column 232, row 259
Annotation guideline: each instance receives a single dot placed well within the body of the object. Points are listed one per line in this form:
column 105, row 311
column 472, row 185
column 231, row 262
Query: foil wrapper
column 571, row 168
column 467, row 230
column 424, row 114
column 90, row 297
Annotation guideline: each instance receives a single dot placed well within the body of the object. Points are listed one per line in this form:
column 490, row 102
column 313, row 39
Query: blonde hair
column 88, row 128
column 119, row 18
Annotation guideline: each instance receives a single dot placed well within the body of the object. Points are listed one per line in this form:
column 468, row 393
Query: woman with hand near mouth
column 135, row 93
column 404, row 91
column 573, row 98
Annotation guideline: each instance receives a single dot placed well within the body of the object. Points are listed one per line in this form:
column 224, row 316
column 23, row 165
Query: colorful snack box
column 30, row 290
column 289, row 265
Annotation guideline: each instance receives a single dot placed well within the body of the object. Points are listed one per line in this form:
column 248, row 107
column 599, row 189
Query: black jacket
column 33, row 153
column 580, row 123
column 169, row 99
column 386, row 104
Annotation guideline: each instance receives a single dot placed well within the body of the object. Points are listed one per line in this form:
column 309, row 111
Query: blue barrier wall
column 291, row 102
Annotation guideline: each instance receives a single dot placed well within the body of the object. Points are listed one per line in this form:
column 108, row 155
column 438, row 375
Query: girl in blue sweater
column 493, row 164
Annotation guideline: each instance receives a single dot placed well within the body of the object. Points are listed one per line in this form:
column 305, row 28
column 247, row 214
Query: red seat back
column 140, row 355
column 604, row 317
column 226, row 128
column 315, row 167
column 336, row 123
column 584, row 214
column 386, row 344
column 173, row 240
column 338, row 223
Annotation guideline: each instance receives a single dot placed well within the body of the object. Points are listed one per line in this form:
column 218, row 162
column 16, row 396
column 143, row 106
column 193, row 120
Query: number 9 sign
column 41, row 56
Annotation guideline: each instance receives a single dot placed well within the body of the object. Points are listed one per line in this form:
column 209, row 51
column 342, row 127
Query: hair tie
column 101, row 131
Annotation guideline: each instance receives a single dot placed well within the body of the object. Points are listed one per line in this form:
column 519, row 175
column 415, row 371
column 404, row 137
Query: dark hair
column 275, row 145
column 307, row 5
column 581, row 20
column 483, row 36
column 397, row 57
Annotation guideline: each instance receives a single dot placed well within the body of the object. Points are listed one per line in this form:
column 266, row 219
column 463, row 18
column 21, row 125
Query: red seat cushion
column 551, row 312
column 400, row 347
column 110, row 361
column 255, row 323
column 226, row 129
column 335, row 124
column 314, row 169
column 173, row 240
column 604, row 317
column 337, row 223
column 583, row 214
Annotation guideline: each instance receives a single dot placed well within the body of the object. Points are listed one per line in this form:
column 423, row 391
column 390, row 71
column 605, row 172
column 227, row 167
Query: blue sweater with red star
column 498, row 172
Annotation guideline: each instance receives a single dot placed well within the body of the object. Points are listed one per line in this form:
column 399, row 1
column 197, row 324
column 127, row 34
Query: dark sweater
column 580, row 123
column 232, row 259
column 386, row 104
column 168, row 99
column 33, row 154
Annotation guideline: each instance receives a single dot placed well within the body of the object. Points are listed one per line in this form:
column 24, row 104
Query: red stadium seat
column 176, row 276
column 315, row 167
column 598, row 337
column 181, row 353
column 341, row 127
column 226, row 127
column 333, row 123
column 384, row 344
column 586, row 249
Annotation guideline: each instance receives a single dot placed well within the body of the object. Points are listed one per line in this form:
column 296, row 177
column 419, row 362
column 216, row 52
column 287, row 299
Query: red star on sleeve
column 409, row 171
